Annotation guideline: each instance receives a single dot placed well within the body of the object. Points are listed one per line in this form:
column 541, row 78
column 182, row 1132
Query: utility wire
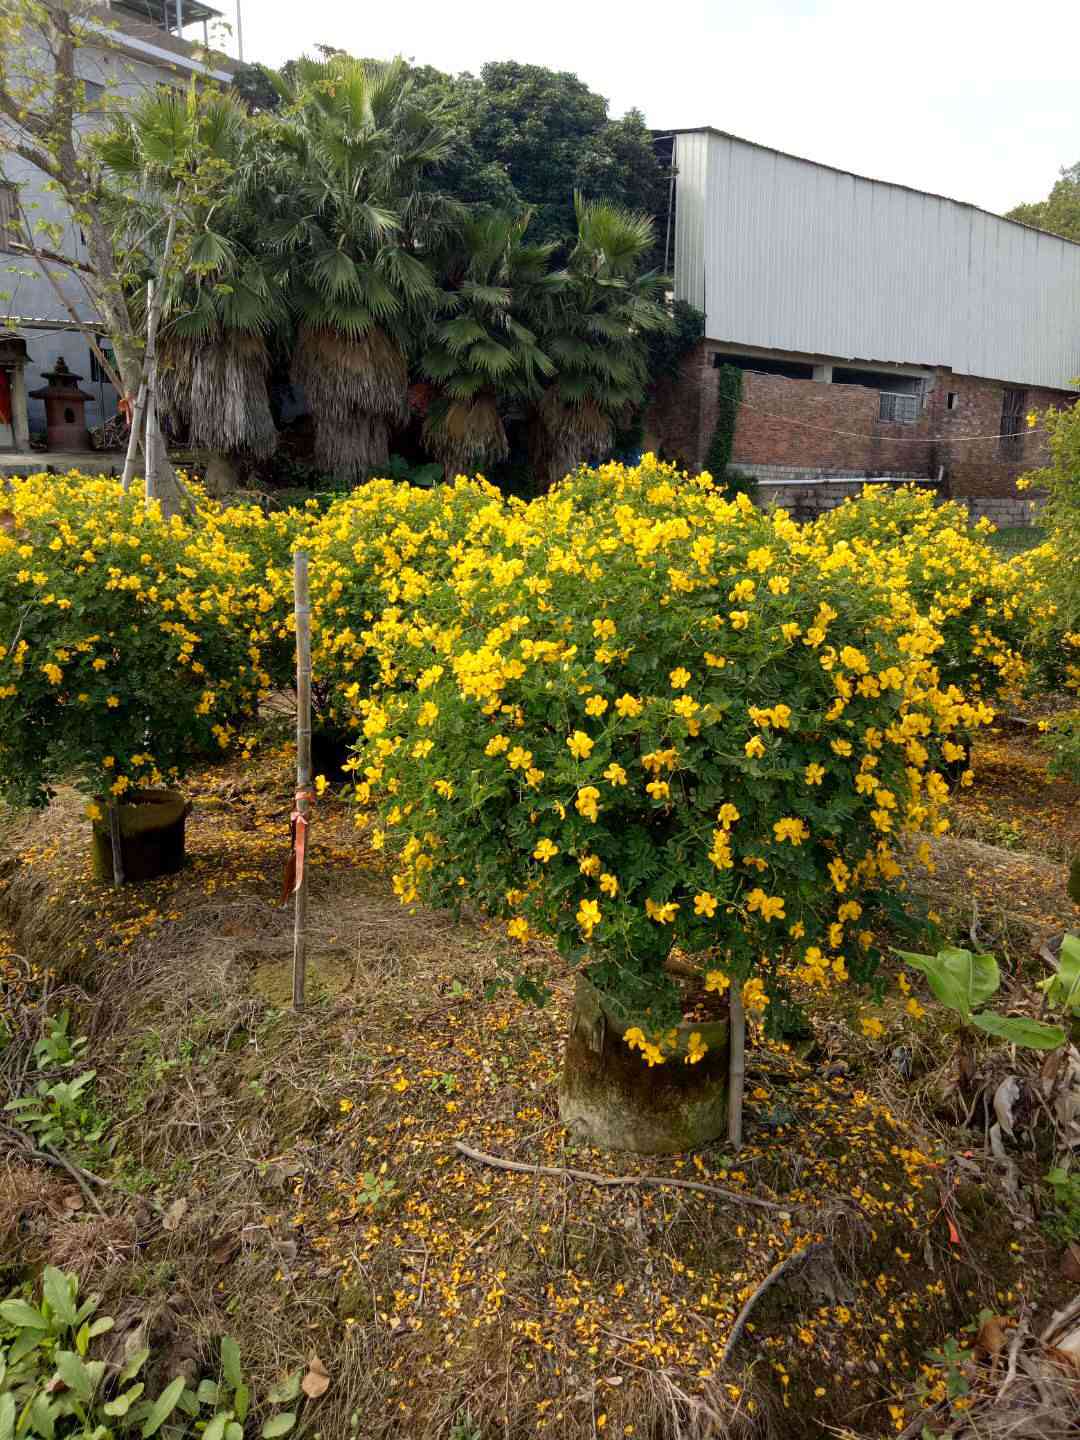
column 895, row 439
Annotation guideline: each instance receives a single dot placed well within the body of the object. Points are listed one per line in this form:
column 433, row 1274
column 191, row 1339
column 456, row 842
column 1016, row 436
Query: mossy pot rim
column 714, row 1033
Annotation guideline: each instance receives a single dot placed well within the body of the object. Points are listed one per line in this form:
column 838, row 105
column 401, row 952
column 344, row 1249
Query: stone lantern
column 65, row 408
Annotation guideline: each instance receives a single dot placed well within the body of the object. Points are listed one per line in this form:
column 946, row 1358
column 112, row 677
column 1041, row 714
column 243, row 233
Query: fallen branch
column 53, row 1157
column 766, row 1285
column 608, row 1182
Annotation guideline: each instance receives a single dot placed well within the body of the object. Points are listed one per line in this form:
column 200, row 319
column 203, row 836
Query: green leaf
column 163, row 1407
column 7, row 1416
column 75, row 1374
column 101, row 1327
column 1064, row 988
column 123, row 1403
column 233, row 1431
column 216, row 1428
column 58, row 1289
column 960, row 980
column 43, row 1415
column 287, row 1389
column 133, row 1364
column 279, row 1425
column 22, row 1315
column 230, row 1361
column 1018, row 1030
column 207, row 1393
column 241, row 1401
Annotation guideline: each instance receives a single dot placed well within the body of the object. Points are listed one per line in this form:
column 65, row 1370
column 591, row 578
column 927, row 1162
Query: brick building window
column 1013, row 405
column 10, row 221
column 898, row 408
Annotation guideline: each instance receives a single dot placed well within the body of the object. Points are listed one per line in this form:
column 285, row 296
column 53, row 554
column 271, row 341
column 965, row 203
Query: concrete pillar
column 20, row 418
column 823, row 373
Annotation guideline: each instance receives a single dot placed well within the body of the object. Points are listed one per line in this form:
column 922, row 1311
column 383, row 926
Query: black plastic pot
column 151, row 836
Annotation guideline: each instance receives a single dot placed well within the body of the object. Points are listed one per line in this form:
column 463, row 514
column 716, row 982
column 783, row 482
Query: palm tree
column 358, row 235
column 593, row 331
column 482, row 357
column 220, row 304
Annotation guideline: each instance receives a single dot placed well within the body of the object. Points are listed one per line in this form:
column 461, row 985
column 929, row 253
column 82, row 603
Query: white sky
column 975, row 99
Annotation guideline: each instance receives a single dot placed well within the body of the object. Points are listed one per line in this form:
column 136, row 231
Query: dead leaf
column 1070, row 1262
column 316, row 1382
column 72, row 1200
column 174, row 1214
column 1005, row 1097
column 990, row 1340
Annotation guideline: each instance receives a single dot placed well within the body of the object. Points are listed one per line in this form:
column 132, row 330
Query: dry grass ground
column 293, row 1179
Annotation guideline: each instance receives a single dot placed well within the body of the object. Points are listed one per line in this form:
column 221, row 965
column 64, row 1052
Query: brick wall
column 807, row 430
column 978, row 467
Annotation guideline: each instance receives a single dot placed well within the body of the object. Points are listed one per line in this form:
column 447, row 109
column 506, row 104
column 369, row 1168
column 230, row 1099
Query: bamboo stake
column 117, row 851
column 737, row 1066
column 303, row 769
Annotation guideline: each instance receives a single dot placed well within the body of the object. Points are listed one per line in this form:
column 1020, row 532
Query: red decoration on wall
column 5, row 398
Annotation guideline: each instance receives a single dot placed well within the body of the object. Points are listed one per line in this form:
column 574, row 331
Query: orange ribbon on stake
column 298, row 828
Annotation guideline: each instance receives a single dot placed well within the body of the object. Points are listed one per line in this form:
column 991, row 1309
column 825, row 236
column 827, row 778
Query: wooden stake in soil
column 737, row 1068
column 303, row 770
column 114, row 836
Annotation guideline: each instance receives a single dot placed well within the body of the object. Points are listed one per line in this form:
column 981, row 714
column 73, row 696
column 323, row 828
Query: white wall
column 24, row 290
column 785, row 254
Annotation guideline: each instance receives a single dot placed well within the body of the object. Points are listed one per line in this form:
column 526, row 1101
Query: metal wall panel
column 788, row 255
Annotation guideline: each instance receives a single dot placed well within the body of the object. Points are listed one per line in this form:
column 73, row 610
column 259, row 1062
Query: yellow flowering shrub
column 1060, row 574
column 635, row 715
column 984, row 606
column 126, row 647
column 375, row 554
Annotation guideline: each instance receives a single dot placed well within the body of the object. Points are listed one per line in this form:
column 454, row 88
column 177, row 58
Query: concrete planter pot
column 151, row 836
column 609, row 1097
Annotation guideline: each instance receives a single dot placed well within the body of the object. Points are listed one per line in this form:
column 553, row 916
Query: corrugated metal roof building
column 882, row 331
column 785, row 254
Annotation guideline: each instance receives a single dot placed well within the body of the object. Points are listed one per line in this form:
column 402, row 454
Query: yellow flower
column 595, row 705
column 770, row 907
column 755, row 747
column 579, row 745
column 53, row 673
column 93, row 812
column 727, row 815
column 658, row 789
column 518, row 929
column 519, row 759
column 792, row 829
column 588, row 916
column 705, row 904
column 615, row 774
column 872, row 1027
column 427, row 714
column 696, row 1048
column 586, row 802
column 814, row 773
column 914, row 1009
column 841, row 747
column 589, row 865
column 545, row 850
column 754, row 998
column 608, row 884
column 497, row 745
column 627, row 706
column 663, row 914
column 679, row 678
column 321, row 784
column 113, row 702
column 717, row 980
